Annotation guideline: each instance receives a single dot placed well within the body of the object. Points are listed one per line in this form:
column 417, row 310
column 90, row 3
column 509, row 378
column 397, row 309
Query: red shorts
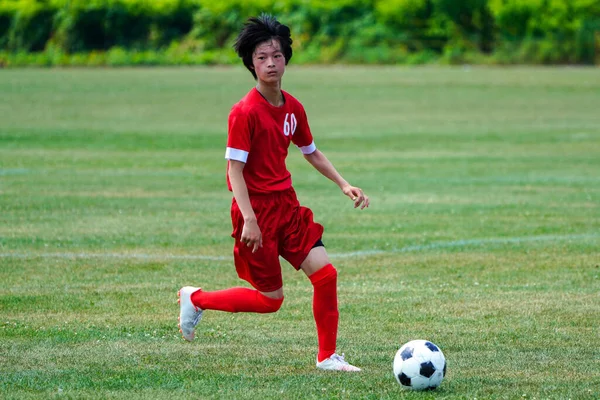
column 288, row 230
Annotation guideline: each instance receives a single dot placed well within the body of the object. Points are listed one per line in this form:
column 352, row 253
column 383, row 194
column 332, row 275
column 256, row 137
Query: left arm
column 322, row 164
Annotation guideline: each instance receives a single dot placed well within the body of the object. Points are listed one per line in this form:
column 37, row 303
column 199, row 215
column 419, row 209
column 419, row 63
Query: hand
column 251, row 235
column 357, row 195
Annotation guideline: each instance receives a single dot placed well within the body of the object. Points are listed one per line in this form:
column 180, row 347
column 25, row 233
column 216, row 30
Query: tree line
column 190, row 32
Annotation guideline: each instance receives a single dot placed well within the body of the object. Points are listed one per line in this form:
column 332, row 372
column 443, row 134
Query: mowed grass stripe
column 460, row 244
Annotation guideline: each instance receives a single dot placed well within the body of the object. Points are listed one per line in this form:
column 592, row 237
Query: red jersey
column 259, row 135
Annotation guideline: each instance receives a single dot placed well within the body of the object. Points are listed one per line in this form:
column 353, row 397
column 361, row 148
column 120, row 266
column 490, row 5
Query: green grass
column 483, row 235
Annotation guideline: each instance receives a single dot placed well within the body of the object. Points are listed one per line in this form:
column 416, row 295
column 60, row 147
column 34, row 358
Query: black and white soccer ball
column 419, row 365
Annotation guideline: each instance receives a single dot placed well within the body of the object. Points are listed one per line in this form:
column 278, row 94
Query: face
column 268, row 61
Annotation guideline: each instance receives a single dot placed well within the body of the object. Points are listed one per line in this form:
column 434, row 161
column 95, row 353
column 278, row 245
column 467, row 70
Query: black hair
column 258, row 30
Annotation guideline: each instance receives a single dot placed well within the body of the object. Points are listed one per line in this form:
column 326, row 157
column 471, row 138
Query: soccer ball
column 419, row 365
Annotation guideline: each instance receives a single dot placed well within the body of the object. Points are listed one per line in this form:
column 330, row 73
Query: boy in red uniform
column 267, row 219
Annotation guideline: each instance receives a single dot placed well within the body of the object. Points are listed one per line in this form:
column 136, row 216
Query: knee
column 324, row 275
column 268, row 304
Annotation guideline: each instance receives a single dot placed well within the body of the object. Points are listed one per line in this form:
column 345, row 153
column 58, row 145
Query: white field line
column 360, row 253
column 468, row 243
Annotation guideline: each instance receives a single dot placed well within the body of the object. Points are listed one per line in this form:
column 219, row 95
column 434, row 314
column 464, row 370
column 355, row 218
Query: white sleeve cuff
column 311, row 148
column 236, row 154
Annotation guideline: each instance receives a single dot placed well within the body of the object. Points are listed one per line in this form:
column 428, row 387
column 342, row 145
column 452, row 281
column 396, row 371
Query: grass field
column 483, row 235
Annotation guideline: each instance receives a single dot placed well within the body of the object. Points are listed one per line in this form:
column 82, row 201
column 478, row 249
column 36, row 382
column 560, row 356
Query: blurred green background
column 198, row 32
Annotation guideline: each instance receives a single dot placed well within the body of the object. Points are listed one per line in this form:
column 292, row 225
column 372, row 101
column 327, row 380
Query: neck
column 271, row 92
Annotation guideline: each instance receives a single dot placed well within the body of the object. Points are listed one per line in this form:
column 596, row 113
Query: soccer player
column 267, row 218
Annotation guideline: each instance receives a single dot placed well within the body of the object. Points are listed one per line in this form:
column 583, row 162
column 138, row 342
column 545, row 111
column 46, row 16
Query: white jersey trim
column 311, row 148
column 236, row 154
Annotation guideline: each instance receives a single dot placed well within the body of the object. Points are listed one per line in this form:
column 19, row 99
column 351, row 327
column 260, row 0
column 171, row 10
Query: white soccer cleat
column 189, row 314
column 336, row 363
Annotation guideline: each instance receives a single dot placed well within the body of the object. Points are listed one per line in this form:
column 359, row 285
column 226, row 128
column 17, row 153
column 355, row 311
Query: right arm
column 251, row 234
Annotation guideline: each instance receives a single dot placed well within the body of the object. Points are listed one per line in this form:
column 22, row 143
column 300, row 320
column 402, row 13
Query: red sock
column 236, row 299
column 325, row 309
